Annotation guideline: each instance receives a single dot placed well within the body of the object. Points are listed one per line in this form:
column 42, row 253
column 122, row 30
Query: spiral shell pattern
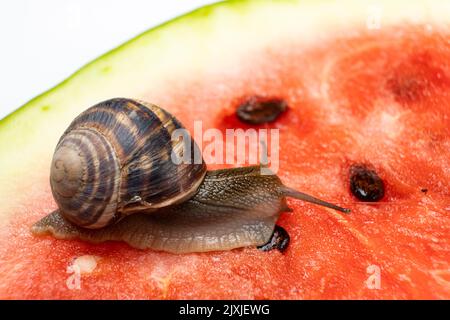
column 115, row 159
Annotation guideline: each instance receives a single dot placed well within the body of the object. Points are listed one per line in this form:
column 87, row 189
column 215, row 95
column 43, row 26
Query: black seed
column 365, row 183
column 280, row 240
column 258, row 110
column 424, row 190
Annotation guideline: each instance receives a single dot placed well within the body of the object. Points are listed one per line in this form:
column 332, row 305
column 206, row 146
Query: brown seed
column 280, row 240
column 259, row 110
column 365, row 183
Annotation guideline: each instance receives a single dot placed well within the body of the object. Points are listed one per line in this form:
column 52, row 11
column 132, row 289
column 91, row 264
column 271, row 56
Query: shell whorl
column 85, row 178
column 115, row 159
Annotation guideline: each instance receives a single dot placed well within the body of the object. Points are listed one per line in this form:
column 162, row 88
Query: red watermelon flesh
column 380, row 98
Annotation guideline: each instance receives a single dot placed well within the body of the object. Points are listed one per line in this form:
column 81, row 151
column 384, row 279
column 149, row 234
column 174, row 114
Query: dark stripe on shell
column 105, row 121
column 155, row 148
column 102, row 193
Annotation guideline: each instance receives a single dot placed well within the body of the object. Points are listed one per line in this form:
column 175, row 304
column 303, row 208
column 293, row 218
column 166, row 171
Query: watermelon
column 365, row 83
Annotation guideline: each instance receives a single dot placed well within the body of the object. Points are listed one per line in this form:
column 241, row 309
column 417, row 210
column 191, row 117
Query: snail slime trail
column 113, row 179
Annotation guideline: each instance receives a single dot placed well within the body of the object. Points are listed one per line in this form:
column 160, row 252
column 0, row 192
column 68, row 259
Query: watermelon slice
column 365, row 83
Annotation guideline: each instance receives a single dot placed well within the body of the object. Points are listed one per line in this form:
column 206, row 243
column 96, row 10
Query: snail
column 113, row 178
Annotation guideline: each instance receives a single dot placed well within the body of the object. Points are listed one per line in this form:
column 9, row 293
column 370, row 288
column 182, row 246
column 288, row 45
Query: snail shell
column 115, row 159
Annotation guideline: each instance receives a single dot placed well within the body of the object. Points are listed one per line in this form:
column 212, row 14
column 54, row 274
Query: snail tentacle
column 292, row 193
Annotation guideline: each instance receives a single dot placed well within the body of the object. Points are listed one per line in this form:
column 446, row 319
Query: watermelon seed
column 259, row 110
column 424, row 190
column 280, row 240
column 366, row 184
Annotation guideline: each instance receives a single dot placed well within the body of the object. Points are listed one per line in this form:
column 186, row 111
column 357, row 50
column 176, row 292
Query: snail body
column 113, row 179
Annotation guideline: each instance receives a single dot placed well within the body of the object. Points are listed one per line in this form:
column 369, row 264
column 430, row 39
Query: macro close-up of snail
column 113, row 178
column 225, row 150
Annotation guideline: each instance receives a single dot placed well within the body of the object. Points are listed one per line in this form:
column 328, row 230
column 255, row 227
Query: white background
column 45, row 41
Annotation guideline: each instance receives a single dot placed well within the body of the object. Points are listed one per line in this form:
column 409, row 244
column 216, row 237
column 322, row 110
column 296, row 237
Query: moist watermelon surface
column 379, row 96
